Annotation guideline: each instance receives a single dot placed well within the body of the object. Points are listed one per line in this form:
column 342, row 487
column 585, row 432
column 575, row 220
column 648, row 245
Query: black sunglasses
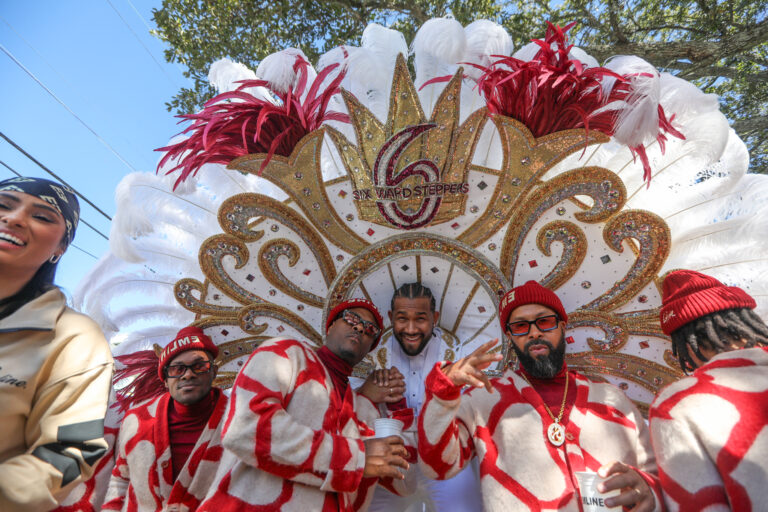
column 353, row 319
column 175, row 371
column 523, row 327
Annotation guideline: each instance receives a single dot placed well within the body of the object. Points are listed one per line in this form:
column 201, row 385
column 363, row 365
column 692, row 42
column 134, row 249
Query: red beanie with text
column 189, row 338
column 529, row 293
column 688, row 295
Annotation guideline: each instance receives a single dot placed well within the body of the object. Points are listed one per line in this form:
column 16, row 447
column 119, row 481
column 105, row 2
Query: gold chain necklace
column 556, row 430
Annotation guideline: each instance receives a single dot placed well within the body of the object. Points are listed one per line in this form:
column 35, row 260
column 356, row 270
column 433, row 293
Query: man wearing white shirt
column 416, row 345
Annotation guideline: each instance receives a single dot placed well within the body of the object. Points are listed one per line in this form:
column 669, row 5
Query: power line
column 41, row 84
column 20, row 149
column 86, row 252
column 10, row 169
column 76, row 192
column 136, row 36
column 149, row 29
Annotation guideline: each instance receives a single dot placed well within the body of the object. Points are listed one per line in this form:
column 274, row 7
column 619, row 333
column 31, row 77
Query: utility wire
column 76, row 192
column 86, row 252
column 10, row 168
column 136, row 36
column 41, row 84
column 20, row 149
column 149, row 28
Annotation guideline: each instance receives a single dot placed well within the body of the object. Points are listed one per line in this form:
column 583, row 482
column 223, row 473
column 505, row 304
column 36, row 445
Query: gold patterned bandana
column 61, row 197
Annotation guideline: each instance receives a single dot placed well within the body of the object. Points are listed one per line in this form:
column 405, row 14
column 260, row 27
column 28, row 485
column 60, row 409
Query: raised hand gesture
column 468, row 371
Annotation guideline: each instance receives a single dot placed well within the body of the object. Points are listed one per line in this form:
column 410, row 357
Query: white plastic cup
column 593, row 500
column 385, row 427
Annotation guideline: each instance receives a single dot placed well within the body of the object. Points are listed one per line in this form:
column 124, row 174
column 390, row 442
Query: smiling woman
column 55, row 365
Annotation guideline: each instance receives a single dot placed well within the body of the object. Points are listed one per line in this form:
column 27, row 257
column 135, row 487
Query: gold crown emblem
column 410, row 171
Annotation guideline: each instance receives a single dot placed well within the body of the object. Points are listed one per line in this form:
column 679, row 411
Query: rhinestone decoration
column 474, row 209
column 275, row 228
column 455, row 225
column 561, row 210
column 533, row 264
column 642, row 299
column 492, row 246
column 306, row 272
column 482, row 185
column 272, row 292
column 342, row 194
column 405, row 268
column 370, row 232
column 250, row 277
column 350, row 217
column 586, row 285
column 434, row 270
column 644, row 344
column 298, row 175
column 569, row 339
column 224, row 332
column 339, row 257
column 623, row 386
column 605, row 259
column 280, row 328
column 481, row 309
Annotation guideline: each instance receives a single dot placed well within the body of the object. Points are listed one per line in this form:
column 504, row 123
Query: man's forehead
column 189, row 355
column 415, row 304
column 530, row 312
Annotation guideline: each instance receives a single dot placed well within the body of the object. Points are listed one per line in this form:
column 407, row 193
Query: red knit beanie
column 357, row 303
column 529, row 293
column 189, row 338
column 688, row 295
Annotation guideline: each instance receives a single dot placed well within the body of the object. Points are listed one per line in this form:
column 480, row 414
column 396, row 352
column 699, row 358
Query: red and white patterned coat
column 519, row 468
column 710, row 433
column 291, row 444
column 142, row 479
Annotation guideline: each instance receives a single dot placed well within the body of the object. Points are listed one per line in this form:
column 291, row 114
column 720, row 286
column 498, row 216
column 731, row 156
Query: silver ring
column 390, row 392
column 638, row 491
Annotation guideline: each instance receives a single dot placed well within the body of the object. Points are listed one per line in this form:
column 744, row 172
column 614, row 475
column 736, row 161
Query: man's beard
column 419, row 349
column 542, row 367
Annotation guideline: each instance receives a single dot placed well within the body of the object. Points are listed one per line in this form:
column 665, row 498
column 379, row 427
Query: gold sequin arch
column 423, row 198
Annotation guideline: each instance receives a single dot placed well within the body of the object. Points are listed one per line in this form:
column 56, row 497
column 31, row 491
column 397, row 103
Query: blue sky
column 110, row 71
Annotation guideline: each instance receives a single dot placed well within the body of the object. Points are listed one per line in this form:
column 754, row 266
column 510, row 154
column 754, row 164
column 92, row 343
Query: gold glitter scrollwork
column 249, row 314
column 299, row 176
column 525, row 158
column 616, row 331
column 269, row 254
column 237, row 211
column 653, row 238
column 212, row 252
column 603, row 186
column 643, row 323
column 672, row 361
column 183, row 292
column 232, row 350
column 574, row 250
column 647, row 374
column 381, row 357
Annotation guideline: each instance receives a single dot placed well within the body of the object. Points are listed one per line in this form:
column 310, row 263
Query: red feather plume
column 236, row 123
column 141, row 367
column 552, row 93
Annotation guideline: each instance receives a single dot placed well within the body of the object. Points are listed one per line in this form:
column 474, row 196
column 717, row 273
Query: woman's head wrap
column 60, row 197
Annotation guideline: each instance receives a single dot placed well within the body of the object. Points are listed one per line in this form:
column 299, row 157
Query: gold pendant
column 556, row 434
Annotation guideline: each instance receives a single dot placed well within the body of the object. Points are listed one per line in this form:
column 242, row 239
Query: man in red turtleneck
column 297, row 436
column 169, row 447
column 537, row 426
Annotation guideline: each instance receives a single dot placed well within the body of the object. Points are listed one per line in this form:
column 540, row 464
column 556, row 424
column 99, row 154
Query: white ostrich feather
column 224, row 74
column 484, row 39
column 438, row 46
column 277, row 69
column 638, row 120
column 384, row 43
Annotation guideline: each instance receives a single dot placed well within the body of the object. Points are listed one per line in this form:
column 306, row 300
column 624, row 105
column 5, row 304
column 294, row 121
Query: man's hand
column 467, row 371
column 383, row 456
column 384, row 386
column 635, row 493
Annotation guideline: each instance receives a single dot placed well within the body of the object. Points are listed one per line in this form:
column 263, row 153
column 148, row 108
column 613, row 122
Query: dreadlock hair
column 413, row 291
column 715, row 331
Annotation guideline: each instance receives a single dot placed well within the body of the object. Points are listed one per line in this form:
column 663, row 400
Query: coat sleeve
column 445, row 428
column 262, row 433
column 646, row 459
column 117, row 488
column 65, row 426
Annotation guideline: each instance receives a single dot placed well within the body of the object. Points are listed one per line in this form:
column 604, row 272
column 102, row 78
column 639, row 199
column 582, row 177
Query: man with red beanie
column 295, row 429
column 168, row 447
column 710, row 430
column 536, row 426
